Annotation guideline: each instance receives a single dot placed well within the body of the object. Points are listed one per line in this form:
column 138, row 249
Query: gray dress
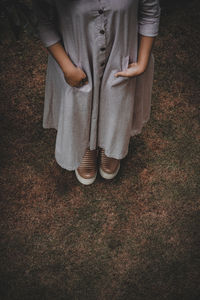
column 101, row 37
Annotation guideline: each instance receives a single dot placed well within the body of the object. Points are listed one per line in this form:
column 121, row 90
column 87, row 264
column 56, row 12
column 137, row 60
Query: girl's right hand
column 74, row 76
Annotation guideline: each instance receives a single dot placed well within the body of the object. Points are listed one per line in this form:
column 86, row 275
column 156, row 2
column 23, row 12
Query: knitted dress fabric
column 101, row 37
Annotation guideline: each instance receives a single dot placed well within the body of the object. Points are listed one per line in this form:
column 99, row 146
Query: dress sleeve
column 149, row 17
column 45, row 12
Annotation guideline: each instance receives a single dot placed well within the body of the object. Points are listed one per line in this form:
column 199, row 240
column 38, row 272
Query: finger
column 83, row 73
column 122, row 74
column 85, row 78
column 75, row 84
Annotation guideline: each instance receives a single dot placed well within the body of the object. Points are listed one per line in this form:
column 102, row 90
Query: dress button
column 103, row 49
column 102, row 31
column 100, row 11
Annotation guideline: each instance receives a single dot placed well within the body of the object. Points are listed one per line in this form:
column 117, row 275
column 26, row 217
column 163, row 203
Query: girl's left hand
column 134, row 69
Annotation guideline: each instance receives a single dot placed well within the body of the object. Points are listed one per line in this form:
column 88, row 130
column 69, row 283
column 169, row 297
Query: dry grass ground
column 136, row 237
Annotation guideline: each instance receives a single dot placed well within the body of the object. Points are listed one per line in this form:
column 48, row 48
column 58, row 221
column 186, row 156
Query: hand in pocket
column 76, row 77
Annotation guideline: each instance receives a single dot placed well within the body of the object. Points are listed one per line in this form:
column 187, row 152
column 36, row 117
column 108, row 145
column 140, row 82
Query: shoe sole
column 84, row 180
column 107, row 175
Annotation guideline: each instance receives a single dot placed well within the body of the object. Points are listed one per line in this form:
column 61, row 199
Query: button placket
column 102, row 43
column 101, row 61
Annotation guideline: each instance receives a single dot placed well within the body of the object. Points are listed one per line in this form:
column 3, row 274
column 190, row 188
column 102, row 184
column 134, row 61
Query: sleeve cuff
column 148, row 30
column 48, row 36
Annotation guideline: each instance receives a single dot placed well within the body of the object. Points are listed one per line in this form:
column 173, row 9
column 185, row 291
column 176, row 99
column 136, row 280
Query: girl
column 99, row 78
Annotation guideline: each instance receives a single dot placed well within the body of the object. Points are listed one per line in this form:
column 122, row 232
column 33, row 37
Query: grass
column 136, row 237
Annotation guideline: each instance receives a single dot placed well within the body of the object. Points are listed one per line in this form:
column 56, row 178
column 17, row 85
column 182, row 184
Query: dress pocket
column 86, row 87
column 120, row 80
column 81, row 96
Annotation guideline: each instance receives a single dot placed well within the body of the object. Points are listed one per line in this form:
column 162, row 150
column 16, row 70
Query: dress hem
column 120, row 156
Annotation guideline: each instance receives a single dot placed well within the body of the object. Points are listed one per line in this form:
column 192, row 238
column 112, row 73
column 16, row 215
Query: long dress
column 101, row 37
